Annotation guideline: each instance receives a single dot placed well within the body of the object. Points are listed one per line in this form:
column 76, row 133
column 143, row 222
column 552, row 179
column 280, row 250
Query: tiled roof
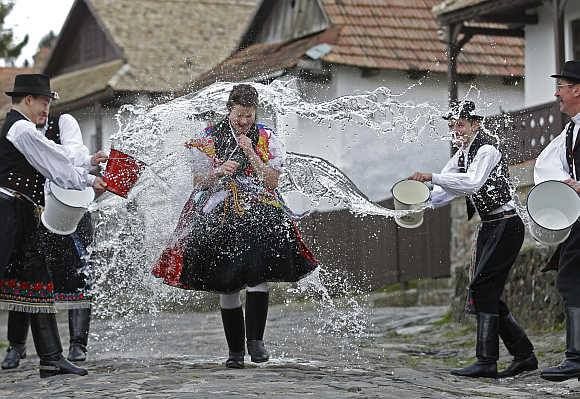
column 403, row 35
column 7, row 83
column 261, row 60
column 85, row 82
column 165, row 44
column 382, row 34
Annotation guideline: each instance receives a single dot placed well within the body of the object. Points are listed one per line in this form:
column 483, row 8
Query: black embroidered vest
column 572, row 153
column 53, row 130
column 495, row 192
column 16, row 172
column 226, row 146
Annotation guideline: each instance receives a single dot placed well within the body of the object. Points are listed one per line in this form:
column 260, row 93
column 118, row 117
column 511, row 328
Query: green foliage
column 8, row 50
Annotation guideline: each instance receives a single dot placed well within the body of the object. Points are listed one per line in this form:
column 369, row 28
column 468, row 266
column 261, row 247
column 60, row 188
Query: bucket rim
column 52, row 192
column 528, row 207
column 405, row 180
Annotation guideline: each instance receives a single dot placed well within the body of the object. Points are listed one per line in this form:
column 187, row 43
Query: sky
column 35, row 18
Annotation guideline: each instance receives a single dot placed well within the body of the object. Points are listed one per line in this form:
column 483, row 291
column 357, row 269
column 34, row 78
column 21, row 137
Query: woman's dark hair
column 244, row 95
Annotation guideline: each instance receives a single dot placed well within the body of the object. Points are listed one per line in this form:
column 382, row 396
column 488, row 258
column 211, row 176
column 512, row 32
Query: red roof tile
column 383, row 34
column 402, row 34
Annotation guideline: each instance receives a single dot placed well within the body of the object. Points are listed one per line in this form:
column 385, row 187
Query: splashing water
column 131, row 233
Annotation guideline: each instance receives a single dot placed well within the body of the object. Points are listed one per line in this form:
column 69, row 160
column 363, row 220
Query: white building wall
column 375, row 162
column 540, row 53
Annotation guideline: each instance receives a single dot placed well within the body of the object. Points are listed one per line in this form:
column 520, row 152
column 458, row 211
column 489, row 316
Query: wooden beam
column 472, row 30
column 492, row 7
column 560, row 50
column 513, row 19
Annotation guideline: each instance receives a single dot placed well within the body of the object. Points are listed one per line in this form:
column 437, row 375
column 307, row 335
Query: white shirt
column 53, row 161
column 551, row 164
column 72, row 139
column 451, row 183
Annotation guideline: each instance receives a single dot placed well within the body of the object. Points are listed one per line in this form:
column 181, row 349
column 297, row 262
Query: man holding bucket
column 62, row 254
column 560, row 160
column 478, row 171
column 26, row 159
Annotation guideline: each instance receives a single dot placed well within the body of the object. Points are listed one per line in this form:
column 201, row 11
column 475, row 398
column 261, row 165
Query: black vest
column 53, row 130
column 495, row 192
column 572, row 153
column 16, row 172
column 226, row 146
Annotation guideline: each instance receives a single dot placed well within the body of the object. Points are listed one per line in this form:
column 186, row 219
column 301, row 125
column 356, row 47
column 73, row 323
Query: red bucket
column 122, row 172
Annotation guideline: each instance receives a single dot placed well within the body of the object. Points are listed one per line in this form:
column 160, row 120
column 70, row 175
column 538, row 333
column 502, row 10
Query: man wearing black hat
column 26, row 159
column 479, row 172
column 560, row 160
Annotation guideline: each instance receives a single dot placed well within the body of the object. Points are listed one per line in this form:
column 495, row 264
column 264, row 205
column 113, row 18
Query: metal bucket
column 63, row 209
column 122, row 172
column 553, row 207
column 410, row 195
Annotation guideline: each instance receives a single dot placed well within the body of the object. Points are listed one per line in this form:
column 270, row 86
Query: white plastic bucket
column 553, row 207
column 297, row 204
column 410, row 195
column 63, row 209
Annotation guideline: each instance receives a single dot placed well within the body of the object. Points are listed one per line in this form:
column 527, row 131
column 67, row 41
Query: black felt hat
column 462, row 110
column 570, row 72
column 34, row 83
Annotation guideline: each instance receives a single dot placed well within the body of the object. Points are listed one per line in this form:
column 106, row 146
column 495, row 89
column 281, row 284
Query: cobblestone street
column 406, row 353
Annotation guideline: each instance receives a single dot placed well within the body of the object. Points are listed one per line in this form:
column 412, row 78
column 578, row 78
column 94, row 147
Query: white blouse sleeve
column 50, row 159
column 551, row 164
column 277, row 151
column 439, row 196
column 477, row 173
column 72, row 139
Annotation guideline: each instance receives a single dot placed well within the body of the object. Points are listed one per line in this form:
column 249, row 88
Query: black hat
column 462, row 110
column 35, row 83
column 570, row 71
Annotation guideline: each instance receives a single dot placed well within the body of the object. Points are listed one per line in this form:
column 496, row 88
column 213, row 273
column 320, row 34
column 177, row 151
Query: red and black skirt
column 228, row 249
column 25, row 281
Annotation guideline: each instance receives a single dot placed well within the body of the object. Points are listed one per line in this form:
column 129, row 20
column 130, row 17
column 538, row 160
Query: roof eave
column 491, row 6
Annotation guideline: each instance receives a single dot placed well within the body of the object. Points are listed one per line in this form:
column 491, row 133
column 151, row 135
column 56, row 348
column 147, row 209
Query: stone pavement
column 402, row 353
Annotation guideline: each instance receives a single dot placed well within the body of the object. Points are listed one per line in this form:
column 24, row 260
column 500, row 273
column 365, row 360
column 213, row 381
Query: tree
column 8, row 50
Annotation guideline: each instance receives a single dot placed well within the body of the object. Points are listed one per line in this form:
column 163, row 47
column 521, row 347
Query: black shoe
column 519, row 366
column 257, row 351
column 50, row 368
column 235, row 360
column 13, row 356
column 562, row 372
column 77, row 353
column 570, row 367
column 477, row 370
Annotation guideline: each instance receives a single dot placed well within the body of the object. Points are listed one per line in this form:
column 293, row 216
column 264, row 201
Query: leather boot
column 18, row 323
column 570, row 366
column 518, row 345
column 233, row 320
column 256, row 314
column 79, row 321
column 487, row 348
column 49, row 348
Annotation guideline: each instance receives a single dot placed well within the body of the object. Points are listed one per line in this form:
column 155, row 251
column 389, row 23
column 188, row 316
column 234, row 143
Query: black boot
column 487, row 348
column 18, row 323
column 233, row 320
column 49, row 348
column 570, row 366
column 256, row 314
column 518, row 345
column 79, row 321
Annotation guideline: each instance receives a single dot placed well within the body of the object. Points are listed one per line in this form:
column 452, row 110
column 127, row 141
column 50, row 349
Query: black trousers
column 498, row 245
column 568, row 281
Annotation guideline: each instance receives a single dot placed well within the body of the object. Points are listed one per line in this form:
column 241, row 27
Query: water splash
column 131, row 233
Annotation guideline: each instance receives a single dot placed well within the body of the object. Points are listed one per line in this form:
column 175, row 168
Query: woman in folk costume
column 233, row 232
column 479, row 172
column 64, row 256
